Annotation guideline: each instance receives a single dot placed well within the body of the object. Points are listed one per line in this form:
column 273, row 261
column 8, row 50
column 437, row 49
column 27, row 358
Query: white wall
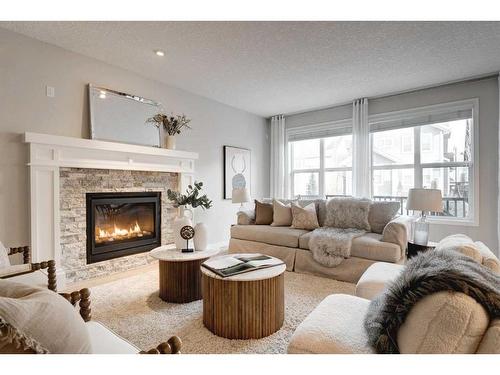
column 487, row 92
column 28, row 65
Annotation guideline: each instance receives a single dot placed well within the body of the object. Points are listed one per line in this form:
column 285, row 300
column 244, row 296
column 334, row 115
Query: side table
column 180, row 274
column 414, row 249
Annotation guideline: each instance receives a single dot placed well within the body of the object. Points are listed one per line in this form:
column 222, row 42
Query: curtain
column 361, row 161
column 278, row 156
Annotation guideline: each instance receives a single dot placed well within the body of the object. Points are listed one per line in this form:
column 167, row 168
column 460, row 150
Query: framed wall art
column 237, row 162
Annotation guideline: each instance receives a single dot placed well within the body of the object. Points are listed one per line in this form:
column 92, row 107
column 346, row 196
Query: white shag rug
column 131, row 307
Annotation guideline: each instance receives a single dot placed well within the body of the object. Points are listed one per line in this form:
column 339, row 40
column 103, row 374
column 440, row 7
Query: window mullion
column 417, row 177
column 321, row 177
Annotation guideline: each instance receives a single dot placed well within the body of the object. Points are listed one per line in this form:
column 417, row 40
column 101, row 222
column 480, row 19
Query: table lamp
column 424, row 200
column 241, row 195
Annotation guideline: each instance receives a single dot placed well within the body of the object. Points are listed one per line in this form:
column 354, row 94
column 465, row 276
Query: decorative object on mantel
column 187, row 233
column 187, row 202
column 237, row 163
column 169, row 127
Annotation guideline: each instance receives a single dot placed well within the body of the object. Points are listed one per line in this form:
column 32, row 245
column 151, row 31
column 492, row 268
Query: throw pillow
column 4, row 256
column 304, row 217
column 348, row 213
column 282, row 215
column 39, row 320
column 263, row 213
column 380, row 214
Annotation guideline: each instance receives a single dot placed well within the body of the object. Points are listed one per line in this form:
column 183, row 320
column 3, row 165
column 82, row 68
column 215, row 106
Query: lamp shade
column 241, row 195
column 425, row 200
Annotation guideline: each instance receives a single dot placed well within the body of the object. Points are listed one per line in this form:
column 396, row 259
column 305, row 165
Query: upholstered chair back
column 449, row 322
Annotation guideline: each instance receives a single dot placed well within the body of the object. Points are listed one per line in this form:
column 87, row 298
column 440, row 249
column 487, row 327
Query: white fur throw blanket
column 330, row 246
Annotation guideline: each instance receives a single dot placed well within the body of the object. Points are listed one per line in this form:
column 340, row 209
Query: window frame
column 473, row 104
column 322, row 170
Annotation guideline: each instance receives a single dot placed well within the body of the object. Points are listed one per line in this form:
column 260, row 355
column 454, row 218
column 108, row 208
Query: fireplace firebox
column 120, row 224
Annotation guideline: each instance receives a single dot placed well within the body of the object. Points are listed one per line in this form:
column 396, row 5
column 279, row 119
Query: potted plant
column 171, row 125
column 192, row 199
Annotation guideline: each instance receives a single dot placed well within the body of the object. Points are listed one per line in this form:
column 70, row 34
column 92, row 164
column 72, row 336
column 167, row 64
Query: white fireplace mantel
column 48, row 153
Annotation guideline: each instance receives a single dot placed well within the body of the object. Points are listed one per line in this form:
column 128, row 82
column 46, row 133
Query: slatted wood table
column 246, row 306
column 180, row 275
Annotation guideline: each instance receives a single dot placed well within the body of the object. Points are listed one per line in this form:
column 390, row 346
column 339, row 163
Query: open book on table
column 231, row 265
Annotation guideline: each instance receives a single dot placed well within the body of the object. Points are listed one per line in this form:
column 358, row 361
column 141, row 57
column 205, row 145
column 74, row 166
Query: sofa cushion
column 368, row 246
column 348, row 213
column 105, row 341
column 371, row 246
column 304, row 217
column 39, row 320
column 376, row 278
column 282, row 214
column 281, row 236
column 380, row 214
column 444, row 322
column 475, row 250
column 263, row 213
column 335, row 326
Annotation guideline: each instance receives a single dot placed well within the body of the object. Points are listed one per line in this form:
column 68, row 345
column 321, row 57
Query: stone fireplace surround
column 74, row 183
column 63, row 169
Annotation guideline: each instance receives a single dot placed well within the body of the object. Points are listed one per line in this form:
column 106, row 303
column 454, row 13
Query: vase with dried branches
column 169, row 126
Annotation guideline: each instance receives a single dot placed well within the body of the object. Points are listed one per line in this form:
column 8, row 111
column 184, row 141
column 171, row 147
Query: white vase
column 170, row 142
column 179, row 222
column 200, row 237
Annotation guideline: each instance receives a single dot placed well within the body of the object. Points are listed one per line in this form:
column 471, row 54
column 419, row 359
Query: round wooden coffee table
column 180, row 276
column 246, row 306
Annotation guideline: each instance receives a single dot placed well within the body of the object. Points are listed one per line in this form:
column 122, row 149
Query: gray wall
column 28, row 65
column 487, row 92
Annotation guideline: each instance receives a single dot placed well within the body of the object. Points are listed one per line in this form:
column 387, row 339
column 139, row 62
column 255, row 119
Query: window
column 429, row 147
column 321, row 166
column 430, row 154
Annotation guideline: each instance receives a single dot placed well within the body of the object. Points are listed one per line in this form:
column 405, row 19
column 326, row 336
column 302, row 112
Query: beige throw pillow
column 380, row 214
column 39, row 320
column 263, row 213
column 282, row 215
column 304, row 217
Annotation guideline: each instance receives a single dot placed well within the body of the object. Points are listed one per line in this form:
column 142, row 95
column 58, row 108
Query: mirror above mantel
column 120, row 117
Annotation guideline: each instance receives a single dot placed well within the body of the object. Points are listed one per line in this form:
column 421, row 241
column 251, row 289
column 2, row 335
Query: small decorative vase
column 179, row 222
column 200, row 237
column 170, row 142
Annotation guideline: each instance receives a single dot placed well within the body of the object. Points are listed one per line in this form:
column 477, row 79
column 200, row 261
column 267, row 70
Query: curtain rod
column 422, row 88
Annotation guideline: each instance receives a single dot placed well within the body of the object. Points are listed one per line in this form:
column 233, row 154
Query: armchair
column 30, row 273
column 105, row 341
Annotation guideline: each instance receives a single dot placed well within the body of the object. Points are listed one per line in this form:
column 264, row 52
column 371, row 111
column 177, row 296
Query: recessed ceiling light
column 159, row 53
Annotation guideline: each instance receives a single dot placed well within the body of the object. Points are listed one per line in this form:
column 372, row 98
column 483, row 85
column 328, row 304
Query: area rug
column 131, row 307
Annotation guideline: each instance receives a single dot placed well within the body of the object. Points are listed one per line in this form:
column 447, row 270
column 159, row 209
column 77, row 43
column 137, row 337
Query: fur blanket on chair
column 426, row 274
column 330, row 246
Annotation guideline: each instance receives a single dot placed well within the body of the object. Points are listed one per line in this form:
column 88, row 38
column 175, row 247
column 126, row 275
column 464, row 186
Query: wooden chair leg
column 82, row 296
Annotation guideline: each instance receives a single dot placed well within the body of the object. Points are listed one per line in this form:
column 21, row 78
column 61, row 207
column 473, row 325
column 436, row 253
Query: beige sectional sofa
column 292, row 245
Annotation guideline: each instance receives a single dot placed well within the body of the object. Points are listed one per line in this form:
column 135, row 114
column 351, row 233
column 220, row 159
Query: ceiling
column 280, row 67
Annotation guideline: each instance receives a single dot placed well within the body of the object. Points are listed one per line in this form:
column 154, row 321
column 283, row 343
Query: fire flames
column 117, row 233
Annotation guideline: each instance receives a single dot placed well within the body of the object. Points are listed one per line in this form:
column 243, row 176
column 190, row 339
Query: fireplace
column 120, row 224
